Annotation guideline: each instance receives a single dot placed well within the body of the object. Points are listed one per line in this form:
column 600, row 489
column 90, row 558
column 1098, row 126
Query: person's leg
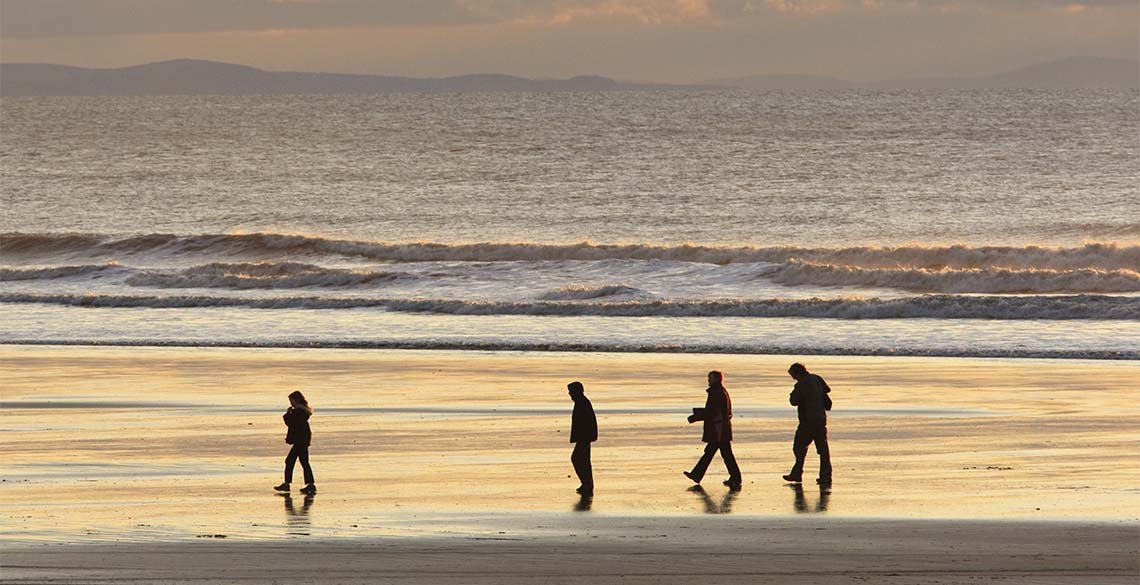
column 824, row 451
column 799, row 448
column 702, row 465
column 582, row 466
column 303, row 455
column 290, row 460
column 730, row 461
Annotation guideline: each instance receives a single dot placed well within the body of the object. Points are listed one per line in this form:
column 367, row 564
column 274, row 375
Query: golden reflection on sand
column 137, row 443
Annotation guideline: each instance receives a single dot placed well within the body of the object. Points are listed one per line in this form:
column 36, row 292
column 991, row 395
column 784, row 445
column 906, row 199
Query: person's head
column 297, row 399
column 716, row 378
column 576, row 389
column 797, row 371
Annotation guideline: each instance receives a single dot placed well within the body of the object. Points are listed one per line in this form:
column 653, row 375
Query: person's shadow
column 584, row 502
column 711, row 507
column 801, row 503
column 297, row 521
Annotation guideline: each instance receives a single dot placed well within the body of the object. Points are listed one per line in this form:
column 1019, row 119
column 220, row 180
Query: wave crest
column 1101, row 256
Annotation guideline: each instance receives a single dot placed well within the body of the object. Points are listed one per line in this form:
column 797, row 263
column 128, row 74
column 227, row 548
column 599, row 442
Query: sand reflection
column 297, row 520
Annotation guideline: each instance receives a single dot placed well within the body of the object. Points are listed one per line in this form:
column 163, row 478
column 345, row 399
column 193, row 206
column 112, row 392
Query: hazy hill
column 190, row 76
column 195, row 77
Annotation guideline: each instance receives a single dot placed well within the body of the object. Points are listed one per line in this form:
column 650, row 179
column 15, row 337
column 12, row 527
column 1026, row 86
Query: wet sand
column 157, row 464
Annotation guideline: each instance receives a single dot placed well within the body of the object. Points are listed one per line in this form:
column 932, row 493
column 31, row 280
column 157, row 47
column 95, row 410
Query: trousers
column 806, row 434
column 582, row 466
column 300, row 452
column 725, row 449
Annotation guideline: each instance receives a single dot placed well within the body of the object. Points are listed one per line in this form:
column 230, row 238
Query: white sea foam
column 1096, row 307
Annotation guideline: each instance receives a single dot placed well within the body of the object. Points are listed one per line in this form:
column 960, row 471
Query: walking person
column 810, row 397
column 299, row 436
column 717, row 417
column 583, row 431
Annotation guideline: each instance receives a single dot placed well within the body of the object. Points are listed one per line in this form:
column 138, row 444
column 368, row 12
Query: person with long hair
column 299, row 436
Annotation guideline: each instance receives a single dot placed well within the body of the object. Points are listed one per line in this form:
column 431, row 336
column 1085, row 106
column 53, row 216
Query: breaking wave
column 263, row 275
column 1100, row 256
column 1095, row 307
column 957, row 280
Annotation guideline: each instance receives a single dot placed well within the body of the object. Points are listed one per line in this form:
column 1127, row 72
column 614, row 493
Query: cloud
column 62, row 18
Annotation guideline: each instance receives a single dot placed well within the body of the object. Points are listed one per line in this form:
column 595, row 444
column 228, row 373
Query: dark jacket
column 583, row 424
column 297, row 419
column 811, row 400
column 717, row 415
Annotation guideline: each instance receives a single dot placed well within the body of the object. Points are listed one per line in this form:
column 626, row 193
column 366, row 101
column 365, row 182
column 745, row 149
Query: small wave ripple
column 1069, row 307
column 263, row 275
column 970, row 280
column 585, row 293
column 53, row 272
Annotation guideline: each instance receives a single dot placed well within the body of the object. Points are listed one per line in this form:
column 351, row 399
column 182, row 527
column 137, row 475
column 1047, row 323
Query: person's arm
column 794, row 397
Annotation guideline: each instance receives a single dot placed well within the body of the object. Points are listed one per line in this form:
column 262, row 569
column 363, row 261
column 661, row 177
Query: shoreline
column 524, row 347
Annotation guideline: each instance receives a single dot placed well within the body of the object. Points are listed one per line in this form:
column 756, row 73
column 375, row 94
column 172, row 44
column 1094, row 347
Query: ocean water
column 971, row 223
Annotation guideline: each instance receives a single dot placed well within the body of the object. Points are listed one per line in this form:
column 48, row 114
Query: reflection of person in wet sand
column 717, row 417
column 810, row 397
column 299, row 436
column 584, row 502
column 711, row 507
column 298, row 519
column 583, row 431
column 801, row 503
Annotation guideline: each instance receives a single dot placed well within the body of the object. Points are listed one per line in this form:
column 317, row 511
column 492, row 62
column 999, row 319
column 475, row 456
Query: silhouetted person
column 583, row 431
column 810, row 397
column 717, row 416
column 299, row 436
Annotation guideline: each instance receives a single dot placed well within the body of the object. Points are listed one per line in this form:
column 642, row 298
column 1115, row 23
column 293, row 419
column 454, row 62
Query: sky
column 671, row 41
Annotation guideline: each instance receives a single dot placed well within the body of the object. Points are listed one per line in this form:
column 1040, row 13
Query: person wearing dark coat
column 583, row 431
column 811, row 399
column 717, row 417
column 299, row 436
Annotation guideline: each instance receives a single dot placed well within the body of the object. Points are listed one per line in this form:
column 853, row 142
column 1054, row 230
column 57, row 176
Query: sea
column 997, row 223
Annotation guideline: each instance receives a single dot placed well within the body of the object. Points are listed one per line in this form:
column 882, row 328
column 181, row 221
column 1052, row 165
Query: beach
column 157, row 464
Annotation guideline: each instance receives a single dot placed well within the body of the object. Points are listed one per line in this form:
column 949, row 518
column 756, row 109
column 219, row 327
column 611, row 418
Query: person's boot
column 282, row 488
column 793, row 478
column 690, row 475
column 309, row 489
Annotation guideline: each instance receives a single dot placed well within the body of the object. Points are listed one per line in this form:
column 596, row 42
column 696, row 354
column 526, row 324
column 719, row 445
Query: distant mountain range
column 195, row 77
